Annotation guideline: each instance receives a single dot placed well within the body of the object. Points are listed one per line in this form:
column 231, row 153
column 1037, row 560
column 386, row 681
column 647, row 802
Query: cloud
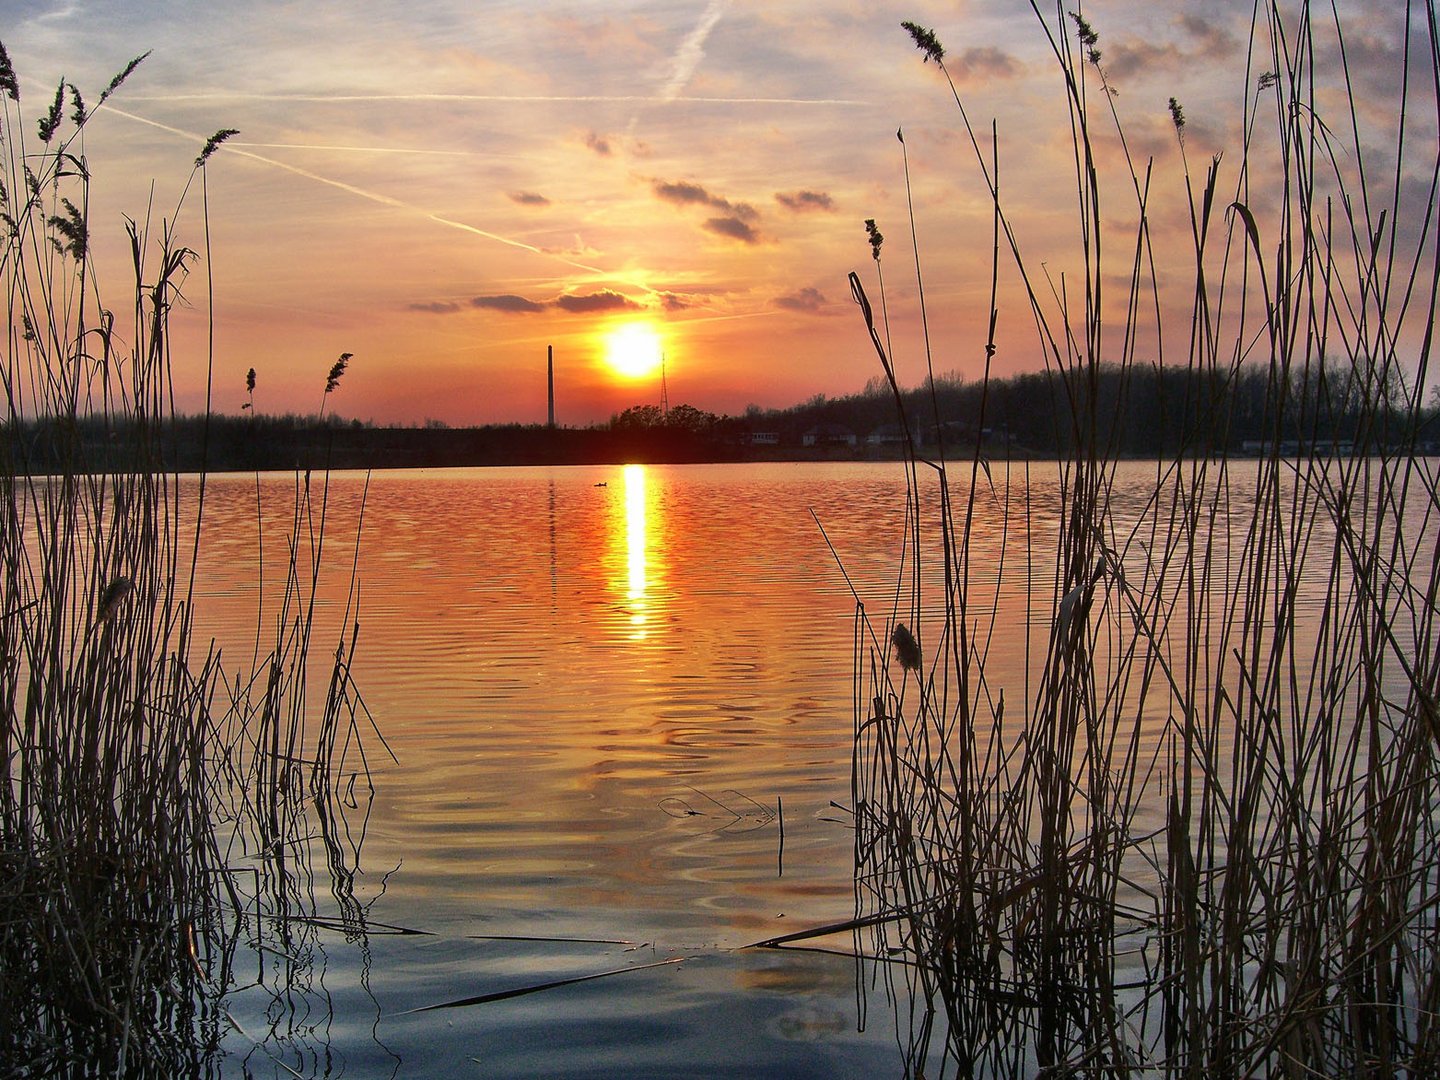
column 1126, row 59
column 604, row 300
column 599, row 143
column 685, row 193
column 529, row 198
column 800, row 201
column 1214, row 40
column 691, row 51
column 734, row 228
column 571, row 303
column 674, row 302
column 808, row 299
column 434, row 307
column 984, row 64
column 507, row 302
column 578, row 250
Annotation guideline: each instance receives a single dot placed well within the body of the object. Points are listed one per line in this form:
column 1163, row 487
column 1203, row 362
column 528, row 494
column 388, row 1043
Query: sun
column 633, row 350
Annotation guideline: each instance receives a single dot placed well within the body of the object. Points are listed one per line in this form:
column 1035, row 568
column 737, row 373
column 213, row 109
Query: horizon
column 448, row 192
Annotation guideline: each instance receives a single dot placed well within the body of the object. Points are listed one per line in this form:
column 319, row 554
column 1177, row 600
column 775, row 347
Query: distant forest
column 1137, row 412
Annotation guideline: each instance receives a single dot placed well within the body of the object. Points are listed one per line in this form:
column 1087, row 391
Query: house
column 886, row 435
column 829, row 435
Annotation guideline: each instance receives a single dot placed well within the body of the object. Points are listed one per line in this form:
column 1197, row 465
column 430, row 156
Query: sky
column 444, row 189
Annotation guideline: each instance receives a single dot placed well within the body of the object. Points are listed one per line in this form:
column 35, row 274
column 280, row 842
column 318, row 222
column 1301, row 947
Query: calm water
column 601, row 684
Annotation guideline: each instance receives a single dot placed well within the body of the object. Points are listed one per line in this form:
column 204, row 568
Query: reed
column 158, row 821
column 1194, row 830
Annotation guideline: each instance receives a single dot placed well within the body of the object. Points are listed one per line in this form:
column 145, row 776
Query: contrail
column 692, row 50
column 515, row 99
column 353, row 149
column 374, row 196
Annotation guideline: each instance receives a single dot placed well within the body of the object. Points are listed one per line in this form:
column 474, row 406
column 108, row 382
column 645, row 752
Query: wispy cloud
column 510, row 99
column 529, row 198
column 345, row 149
column 691, row 51
column 359, row 192
column 599, row 144
column 809, row 300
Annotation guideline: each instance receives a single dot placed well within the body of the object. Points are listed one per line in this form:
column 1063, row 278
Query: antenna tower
column 664, row 390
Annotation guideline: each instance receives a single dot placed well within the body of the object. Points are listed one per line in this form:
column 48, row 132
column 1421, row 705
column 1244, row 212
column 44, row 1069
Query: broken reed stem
column 1203, row 840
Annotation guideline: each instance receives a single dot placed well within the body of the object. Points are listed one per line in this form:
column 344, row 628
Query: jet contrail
column 374, row 196
column 512, row 99
column 353, row 149
column 691, row 51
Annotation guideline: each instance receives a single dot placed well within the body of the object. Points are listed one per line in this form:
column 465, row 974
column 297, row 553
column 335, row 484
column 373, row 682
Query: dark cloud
column 808, row 299
column 685, row 193
column 573, row 303
column 804, row 200
column 1213, row 39
column 507, row 302
column 1128, row 58
column 599, row 143
column 681, row 192
column 984, row 64
column 604, row 300
column 529, row 198
column 434, row 307
column 674, row 302
column 734, row 228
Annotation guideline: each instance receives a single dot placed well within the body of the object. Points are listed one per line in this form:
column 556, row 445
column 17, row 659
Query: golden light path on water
column 636, row 544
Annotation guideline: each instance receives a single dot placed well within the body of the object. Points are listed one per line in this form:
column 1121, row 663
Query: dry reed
column 1198, row 832
column 159, row 824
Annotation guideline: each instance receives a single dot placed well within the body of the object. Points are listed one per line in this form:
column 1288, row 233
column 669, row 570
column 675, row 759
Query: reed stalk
column 1192, row 826
column 157, row 821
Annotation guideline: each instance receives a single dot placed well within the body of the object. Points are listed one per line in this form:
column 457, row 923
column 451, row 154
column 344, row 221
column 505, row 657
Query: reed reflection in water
column 597, row 695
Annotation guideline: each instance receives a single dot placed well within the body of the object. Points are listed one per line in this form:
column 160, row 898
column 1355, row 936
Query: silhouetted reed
column 1195, row 830
column 157, row 822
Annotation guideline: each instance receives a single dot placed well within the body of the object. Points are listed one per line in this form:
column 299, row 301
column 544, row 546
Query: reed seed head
column 1088, row 37
column 926, row 41
column 337, row 369
column 113, row 596
column 50, row 122
column 213, row 143
column 8, row 82
column 122, row 76
column 907, row 649
column 1177, row 115
column 876, row 238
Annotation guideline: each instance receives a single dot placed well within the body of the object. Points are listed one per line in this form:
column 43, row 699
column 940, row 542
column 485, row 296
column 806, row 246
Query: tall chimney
column 550, row 364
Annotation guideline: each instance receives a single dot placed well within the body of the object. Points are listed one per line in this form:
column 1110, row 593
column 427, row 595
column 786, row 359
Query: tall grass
column 1195, row 829
column 157, row 820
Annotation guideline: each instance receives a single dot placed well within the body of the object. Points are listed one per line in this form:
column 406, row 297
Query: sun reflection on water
column 636, row 543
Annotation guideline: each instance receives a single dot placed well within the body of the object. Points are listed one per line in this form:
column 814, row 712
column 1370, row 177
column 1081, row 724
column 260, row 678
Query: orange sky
column 445, row 189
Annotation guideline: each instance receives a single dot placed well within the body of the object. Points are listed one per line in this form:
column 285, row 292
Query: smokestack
column 550, row 364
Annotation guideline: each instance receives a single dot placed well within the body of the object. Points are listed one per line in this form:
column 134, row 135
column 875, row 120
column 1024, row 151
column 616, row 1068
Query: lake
column 620, row 701
column 606, row 688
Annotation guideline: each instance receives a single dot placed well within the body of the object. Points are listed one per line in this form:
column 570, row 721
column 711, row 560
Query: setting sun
column 633, row 350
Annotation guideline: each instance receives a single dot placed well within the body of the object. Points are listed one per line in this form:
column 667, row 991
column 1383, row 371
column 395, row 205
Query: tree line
column 1134, row 412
